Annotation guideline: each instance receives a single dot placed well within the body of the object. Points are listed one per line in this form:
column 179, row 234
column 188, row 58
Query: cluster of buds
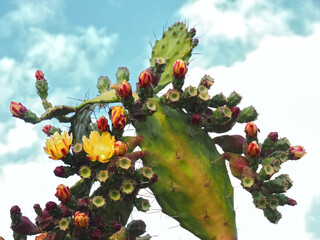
column 267, row 192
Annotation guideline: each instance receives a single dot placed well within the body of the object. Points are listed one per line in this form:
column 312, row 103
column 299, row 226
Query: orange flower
column 120, row 148
column 63, row 193
column 179, row 69
column 41, row 236
column 17, row 109
column 81, row 220
column 118, row 117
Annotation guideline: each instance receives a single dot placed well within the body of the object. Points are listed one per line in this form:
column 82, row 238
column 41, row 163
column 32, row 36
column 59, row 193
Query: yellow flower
column 99, row 147
column 120, row 235
column 58, row 146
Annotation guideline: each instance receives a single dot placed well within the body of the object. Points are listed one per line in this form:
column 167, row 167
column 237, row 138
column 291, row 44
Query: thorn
column 206, row 216
column 154, row 34
column 207, row 184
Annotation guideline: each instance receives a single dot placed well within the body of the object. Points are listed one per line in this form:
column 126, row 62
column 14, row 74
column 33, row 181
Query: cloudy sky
column 268, row 51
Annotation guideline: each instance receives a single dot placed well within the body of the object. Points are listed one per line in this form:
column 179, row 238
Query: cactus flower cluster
column 181, row 165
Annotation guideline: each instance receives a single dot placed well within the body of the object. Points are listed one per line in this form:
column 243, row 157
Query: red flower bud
column 125, row 90
column 17, row 109
column 96, row 234
column 296, row 152
column 63, row 193
column 81, row 220
column 154, row 178
column 59, row 171
column 102, row 124
column 39, row 75
column 118, row 117
column 15, row 210
column 116, row 225
column 195, row 119
column 273, row 136
column 235, row 112
column 254, row 149
column 179, row 69
column 46, row 129
column 51, row 206
column 251, row 130
column 120, row 148
column 144, row 79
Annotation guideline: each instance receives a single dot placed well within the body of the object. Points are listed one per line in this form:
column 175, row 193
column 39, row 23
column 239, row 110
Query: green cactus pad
column 190, row 174
column 175, row 44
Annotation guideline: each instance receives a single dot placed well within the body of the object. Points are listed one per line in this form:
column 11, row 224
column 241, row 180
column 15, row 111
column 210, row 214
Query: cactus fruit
column 181, row 164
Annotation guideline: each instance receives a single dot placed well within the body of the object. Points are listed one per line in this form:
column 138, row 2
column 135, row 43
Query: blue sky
column 268, row 51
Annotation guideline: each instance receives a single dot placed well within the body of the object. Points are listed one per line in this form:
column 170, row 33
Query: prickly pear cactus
column 181, row 165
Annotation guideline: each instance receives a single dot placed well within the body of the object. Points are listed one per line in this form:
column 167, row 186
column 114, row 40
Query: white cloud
column 21, row 136
column 29, row 12
column 228, row 30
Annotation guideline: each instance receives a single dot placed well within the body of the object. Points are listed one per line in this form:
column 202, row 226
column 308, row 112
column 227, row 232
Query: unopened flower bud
column 116, row 225
column 235, row 112
column 196, row 119
column 145, row 79
column 120, row 148
column 154, row 178
column 179, row 69
column 37, row 209
column 17, row 109
column 51, row 206
column 81, row 220
column 102, row 124
column 254, row 149
column 297, row 152
column 118, row 117
column 273, row 136
column 15, row 210
column 46, row 129
column 41, row 236
column 95, row 234
column 39, row 75
column 125, row 90
column 251, row 130
column 63, row 193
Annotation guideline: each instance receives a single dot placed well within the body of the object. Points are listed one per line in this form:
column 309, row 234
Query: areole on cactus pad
column 181, row 165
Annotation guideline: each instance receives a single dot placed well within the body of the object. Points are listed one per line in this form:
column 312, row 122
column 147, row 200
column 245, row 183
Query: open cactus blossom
column 99, row 147
column 180, row 163
column 58, row 146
